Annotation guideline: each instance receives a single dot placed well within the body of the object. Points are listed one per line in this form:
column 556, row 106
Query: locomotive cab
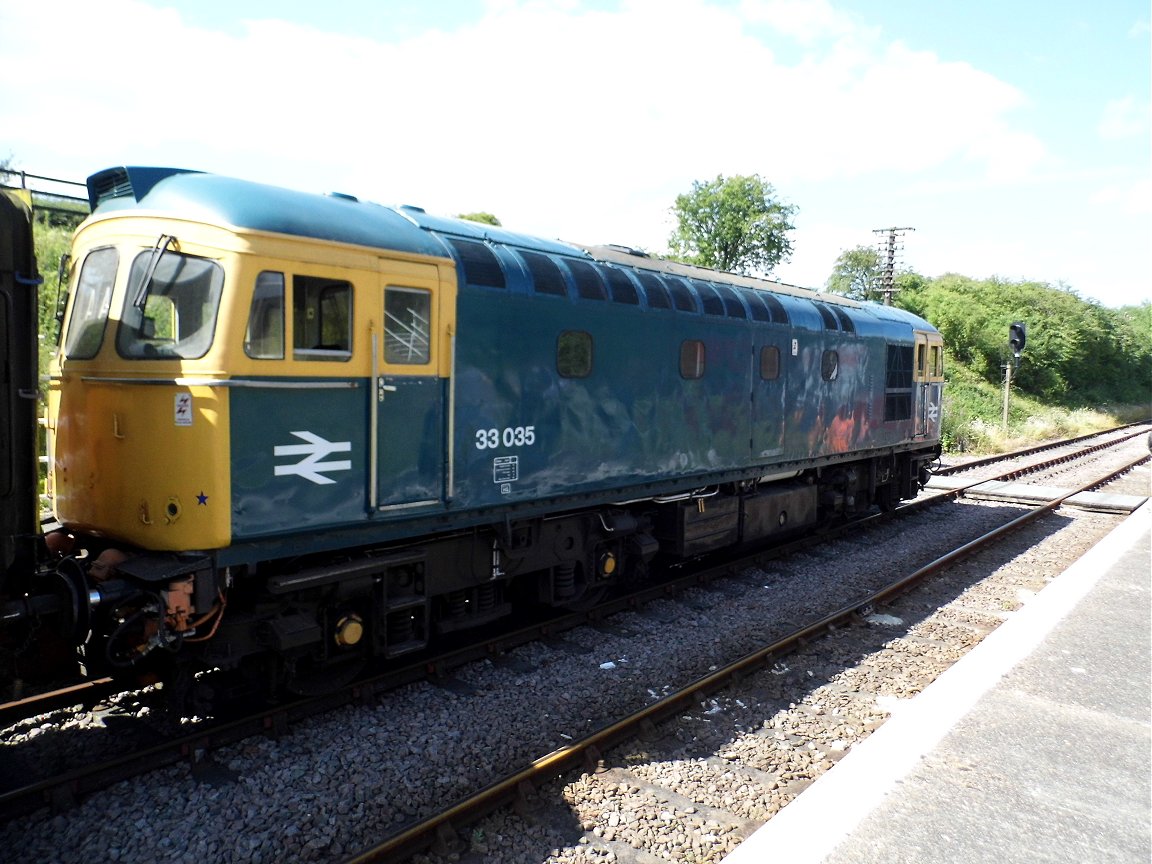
column 218, row 388
column 211, row 386
column 929, row 384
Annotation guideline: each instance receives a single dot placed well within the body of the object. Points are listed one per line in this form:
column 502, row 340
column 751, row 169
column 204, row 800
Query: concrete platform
column 1022, row 493
column 1035, row 747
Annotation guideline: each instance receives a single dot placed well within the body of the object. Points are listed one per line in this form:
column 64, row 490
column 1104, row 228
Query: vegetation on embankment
column 973, row 415
column 1084, row 367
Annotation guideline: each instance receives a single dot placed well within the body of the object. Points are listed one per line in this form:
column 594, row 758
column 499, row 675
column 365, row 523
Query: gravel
column 338, row 783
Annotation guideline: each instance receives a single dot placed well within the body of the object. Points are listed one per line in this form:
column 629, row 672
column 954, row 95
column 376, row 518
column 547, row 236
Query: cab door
column 408, row 410
column 928, row 384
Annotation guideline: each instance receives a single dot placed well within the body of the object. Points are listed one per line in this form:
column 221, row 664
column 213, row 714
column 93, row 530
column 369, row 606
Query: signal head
column 1017, row 336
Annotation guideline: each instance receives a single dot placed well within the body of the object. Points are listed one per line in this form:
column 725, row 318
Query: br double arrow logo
column 311, row 467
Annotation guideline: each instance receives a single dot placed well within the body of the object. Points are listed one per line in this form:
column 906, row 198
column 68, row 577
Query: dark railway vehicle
column 291, row 432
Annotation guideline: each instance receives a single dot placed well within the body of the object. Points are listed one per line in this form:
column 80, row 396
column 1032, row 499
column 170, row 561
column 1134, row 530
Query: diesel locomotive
column 290, row 432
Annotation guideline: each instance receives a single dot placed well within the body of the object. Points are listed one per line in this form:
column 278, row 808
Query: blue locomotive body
column 357, row 426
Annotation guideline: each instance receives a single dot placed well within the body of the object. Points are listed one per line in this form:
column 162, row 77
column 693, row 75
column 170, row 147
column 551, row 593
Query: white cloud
column 653, row 93
column 564, row 121
column 804, row 20
column 1130, row 199
column 1124, row 118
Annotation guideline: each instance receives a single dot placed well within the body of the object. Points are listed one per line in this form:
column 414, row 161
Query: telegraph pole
column 889, row 247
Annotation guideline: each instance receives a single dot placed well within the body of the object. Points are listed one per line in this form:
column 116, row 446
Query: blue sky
column 1013, row 136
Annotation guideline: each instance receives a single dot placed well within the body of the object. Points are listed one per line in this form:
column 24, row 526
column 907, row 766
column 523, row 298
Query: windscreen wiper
column 162, row 244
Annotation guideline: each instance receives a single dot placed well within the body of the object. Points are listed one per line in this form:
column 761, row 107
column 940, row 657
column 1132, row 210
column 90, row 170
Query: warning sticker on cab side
column 505, row 469
column 183, row 409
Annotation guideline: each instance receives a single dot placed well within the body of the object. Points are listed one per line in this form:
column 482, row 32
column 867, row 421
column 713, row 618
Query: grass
column 974, row 411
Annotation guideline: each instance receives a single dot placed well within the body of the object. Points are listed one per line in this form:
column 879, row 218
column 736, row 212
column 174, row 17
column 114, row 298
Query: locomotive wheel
column 71, row 590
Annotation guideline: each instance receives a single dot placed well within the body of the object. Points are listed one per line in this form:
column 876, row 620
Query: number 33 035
column 511, row 436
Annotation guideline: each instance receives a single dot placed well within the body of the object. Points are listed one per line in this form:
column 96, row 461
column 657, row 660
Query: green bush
column 973, row 416
column 1078, row 352
column 52, row 242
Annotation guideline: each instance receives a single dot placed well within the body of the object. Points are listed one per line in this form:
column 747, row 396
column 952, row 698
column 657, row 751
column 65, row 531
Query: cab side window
column 264, row 338
column 321, row 319
column 407, row 326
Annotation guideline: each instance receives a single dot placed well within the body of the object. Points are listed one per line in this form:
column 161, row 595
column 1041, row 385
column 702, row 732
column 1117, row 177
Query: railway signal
column 1017, row 336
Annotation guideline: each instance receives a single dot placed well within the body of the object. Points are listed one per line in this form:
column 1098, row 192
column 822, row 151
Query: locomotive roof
column 345, row 219
column 336, row 217
column 244, row 204
column 630, row 257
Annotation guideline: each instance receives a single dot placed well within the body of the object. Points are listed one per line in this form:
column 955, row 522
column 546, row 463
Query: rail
column 1039, row 448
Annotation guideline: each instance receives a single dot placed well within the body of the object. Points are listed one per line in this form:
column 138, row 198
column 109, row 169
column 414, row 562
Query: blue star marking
column 202, row 499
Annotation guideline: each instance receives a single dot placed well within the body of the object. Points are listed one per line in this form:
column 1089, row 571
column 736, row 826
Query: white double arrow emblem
column 317, row 448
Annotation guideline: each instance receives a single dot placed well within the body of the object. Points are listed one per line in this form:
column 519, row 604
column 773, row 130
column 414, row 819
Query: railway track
column 196, row 747
column 1099, row 440
column 441, row 832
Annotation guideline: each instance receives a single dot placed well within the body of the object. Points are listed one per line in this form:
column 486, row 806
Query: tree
column 856, row 273
column 486, row 218
column 735, row 224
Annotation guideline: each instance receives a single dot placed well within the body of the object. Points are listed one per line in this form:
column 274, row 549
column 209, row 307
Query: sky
column 1013, row 136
